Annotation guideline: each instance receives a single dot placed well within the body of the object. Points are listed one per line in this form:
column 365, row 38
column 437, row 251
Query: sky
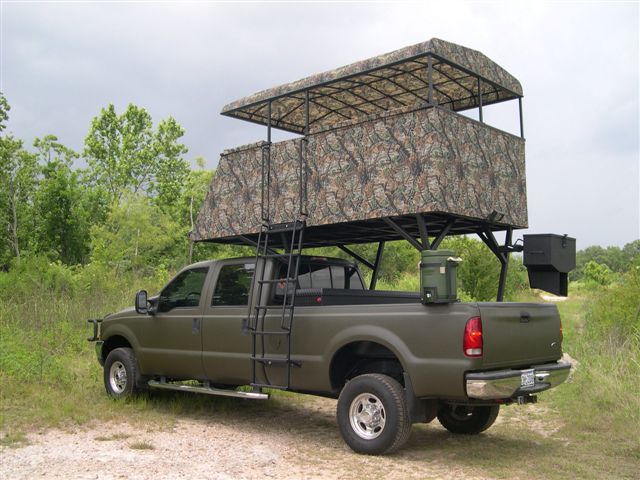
column 61, row 62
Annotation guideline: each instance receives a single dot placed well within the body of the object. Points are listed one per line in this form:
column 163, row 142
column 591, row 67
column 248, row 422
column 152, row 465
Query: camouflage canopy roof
column 382, row 83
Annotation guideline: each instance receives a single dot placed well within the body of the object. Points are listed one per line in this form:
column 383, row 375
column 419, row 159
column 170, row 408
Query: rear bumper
column 502, row 384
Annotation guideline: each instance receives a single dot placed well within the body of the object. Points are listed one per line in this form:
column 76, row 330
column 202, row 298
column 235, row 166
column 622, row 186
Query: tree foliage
column 60, row 204
column 136, row 235
column 4, row 111
column 129, row 157
column 18, row 182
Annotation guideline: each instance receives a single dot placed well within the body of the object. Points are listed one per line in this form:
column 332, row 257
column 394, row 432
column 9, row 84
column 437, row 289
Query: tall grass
column 48, row 370
column 602, row 331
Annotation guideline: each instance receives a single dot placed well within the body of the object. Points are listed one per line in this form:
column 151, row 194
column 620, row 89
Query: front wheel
column 121, row 373
column 373, row 415
column 468, row 420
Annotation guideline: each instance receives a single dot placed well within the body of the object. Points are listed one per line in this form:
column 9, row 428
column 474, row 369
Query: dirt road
column 294, row 437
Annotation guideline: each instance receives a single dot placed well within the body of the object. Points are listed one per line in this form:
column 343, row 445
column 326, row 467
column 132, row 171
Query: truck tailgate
column 519, row 334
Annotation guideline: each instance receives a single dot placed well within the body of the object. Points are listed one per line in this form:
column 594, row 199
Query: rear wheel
column 373, row 415
column 466, row 419
column 121, row 374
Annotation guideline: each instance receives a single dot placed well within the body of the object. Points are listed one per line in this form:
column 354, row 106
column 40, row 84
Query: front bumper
column 503, row 384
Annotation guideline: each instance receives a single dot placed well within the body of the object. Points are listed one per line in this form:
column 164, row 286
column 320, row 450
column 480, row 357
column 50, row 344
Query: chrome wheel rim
column 367, row 416
column 118, row 377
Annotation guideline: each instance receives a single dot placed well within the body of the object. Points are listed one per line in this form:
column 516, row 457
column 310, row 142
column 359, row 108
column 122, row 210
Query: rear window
column 318, row 275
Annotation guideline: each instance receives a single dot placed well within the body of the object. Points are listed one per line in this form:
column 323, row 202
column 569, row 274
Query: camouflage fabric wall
column 419, row 161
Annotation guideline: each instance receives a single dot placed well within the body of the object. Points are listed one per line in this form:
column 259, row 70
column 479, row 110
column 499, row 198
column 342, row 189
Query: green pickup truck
column 388, row 358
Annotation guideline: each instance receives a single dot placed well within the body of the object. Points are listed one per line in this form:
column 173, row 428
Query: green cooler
column 438, row 282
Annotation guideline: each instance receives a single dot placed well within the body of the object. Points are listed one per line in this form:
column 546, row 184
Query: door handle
column 195, row 326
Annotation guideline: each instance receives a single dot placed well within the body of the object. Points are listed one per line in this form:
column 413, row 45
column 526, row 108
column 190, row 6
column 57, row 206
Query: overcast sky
column 577, row 61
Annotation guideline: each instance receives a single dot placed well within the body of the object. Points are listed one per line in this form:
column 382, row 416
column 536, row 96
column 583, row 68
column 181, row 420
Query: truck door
column 226, row 349
column 172, row 340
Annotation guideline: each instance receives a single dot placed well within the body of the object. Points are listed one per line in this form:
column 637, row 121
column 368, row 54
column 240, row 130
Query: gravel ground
column 283, row 438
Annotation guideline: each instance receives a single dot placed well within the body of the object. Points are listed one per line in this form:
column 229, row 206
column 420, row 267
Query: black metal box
column 549, row 258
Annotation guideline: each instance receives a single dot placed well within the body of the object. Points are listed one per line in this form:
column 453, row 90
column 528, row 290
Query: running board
column 208, row 390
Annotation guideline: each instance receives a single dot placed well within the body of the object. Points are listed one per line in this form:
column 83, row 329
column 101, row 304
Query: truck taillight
column 472, row 341
column 561, row 336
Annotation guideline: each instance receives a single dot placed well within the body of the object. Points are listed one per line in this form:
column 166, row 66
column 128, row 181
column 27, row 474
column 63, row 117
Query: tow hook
column 96, row 329
column 524, row 399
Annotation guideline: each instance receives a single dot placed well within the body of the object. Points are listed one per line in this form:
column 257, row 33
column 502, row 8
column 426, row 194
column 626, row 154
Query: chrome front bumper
column 502, row 384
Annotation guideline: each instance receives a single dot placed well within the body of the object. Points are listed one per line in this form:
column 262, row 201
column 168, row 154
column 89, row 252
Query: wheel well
column 112, row 343
column 358, row 358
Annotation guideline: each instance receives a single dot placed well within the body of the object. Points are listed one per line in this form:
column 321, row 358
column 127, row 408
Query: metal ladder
column 293, row 234
column 291, row 238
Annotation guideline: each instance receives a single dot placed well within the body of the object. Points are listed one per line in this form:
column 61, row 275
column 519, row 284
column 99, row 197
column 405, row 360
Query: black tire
column 469, row 420
column 373, row 414
column 121, row 373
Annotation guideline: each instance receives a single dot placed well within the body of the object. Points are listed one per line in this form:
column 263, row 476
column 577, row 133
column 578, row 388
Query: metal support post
column 422, row 228
column 480, row 100
column 430, row 78
column 504, row 260
column 269, row 122
column 266, row 161
column 521, row 120
column 359, row 258
column 306, row 113
column 403, row 233
column 502, row 253
column 376, row 267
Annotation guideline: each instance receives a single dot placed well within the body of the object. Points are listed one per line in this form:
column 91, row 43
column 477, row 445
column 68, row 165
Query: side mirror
column 142, row 304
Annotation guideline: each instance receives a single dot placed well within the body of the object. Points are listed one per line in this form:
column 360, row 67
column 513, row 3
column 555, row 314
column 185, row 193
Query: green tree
column 598, row 273
column 195, row 191
column 4, row 111
column 615, row 258
column 479, row 271
column 18, row 182
column 631, row 252
column 128, row 156
column 62, row 230
column 136, row 235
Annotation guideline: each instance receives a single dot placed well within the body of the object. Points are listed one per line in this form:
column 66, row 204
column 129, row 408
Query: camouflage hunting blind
column 383, row 154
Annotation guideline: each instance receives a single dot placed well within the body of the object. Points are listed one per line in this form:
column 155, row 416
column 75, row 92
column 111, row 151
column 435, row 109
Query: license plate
column 527, row 378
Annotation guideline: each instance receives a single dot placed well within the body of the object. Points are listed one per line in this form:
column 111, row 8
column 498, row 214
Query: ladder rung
column 275, row 360
column 267, row 333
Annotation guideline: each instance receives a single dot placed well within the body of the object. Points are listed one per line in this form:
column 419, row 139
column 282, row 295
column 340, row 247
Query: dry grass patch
column 141, row 445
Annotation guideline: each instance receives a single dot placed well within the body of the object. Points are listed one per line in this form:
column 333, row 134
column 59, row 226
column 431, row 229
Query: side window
column 232, row 287
column 184, row 290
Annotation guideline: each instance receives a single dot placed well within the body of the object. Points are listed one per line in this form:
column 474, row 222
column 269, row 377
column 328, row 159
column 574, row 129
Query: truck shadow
column 311, row 420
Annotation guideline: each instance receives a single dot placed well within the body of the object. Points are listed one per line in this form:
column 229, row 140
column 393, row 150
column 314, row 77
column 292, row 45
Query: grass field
column 589, row 427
